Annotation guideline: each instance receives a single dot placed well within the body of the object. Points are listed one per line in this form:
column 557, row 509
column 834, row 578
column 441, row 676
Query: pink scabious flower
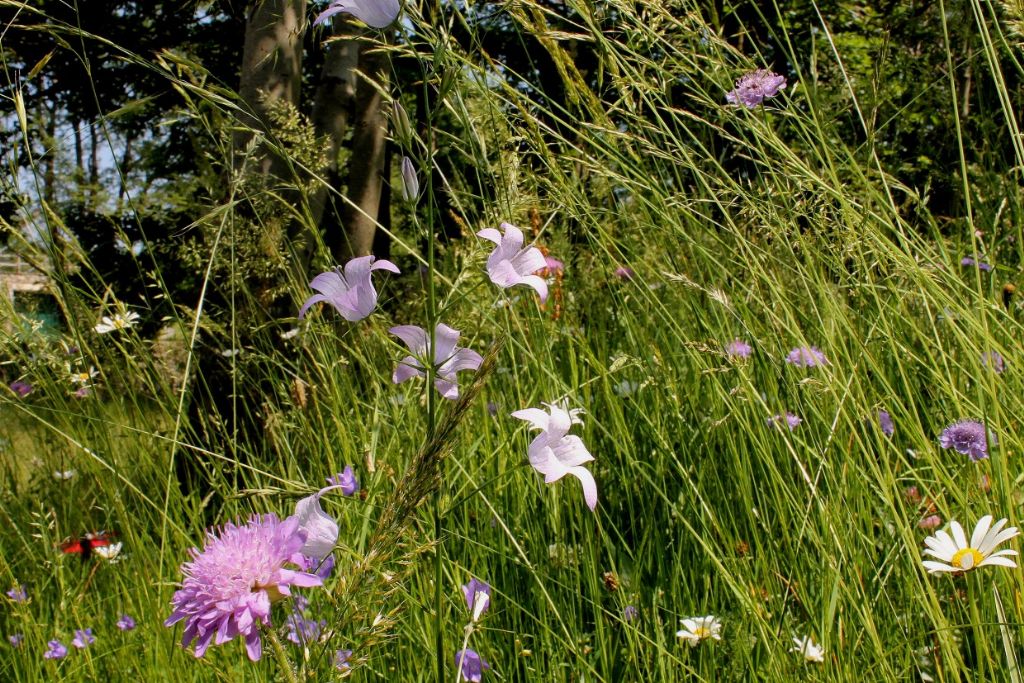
column 350, row 291
column 738, row 348
column 789, row 418
column 230, row 585
column 994, row 360
column 967, row 437
column 554, row 452
column 510, row 264
column 755, row 87
column 806, row 357
column 448, row 358
column 374, row 13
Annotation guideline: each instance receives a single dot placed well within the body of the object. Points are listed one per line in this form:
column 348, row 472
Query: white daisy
column 955, row 554
column 118, row 321
column 63, row 475
column 82, row 377
column 696, row 629
column 805, row 647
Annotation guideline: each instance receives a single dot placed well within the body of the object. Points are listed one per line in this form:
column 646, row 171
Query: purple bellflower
column 789, row 418
column 302, row 630
column 83, row 638
column 346, row 479
column 125, row 623
column 350, row 291
column 471, row 665
column 806, row 357
column 410, row 181
column 630, row 613
column 448, row 358
column 755, row 87
column 969, row 261
column 994, row 360
column 510, row 264
column 373, row 13
column 18, row 594
column 478, row 597
column 16, row 639
column 341, row 658
column 230, row 585
column 554, row 452
column 57, row 650
column 967, row 437
column 885, row 422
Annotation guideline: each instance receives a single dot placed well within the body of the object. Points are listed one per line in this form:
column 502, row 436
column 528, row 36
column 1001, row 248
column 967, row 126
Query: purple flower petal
column 375, row 13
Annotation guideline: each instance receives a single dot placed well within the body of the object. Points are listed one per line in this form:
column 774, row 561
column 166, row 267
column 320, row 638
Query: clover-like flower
column 231, row 584
column 697, row 629
column 374, row 13
column 350, row 291
column 955, row 554
column 448, row 358
column 471, row 665
column 805, row 647
column 511, row 264
column 755, row 87
column 554, row 452
column 967, row 437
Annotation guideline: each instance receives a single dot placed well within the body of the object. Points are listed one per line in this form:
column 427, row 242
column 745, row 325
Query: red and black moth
column 84, row 544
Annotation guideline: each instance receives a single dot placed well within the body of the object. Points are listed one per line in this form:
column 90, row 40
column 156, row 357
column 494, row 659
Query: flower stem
column 282, row 656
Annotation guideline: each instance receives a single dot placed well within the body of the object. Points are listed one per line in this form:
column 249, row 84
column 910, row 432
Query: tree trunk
column 366, row 170
column 271, row 65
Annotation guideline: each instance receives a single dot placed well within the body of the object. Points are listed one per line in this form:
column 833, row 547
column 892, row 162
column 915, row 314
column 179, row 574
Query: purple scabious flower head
column 125, row 623
column 18, row 594
column 789, row 418
column 624, row 273
column 16, row 639
column 994, row 360
column 738, row 348
column 806, row 357
column 21, row 388
column 57, row 650
column 630, row 613
column 755, row 87
column 232, row 582
column 374, row 13
column 350, row 291
column 967, row 437
column 346, row 479
column 302, row 630
column 968, row 261
column 554, row 452
column 471, row 665
column 885, row 422
column 478, row 597
column 510, row 264
column 83, row 638
column 341, row 658
column 448, row 358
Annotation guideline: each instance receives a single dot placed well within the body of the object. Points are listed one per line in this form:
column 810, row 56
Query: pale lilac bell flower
column 346, row 479
column 374, row 13
column 471, row 665
column 478, row 597
column 511, row 264
column 448, row 358
column 349, row 290
column 554, row 452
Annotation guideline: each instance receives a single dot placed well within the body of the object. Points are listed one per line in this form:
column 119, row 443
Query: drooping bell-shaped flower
column 510, row 264
column 554, row 452
column 448, row 358
column 374, row 13
column 350, row 291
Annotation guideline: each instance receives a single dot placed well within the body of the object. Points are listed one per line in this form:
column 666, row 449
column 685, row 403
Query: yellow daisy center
column 968, row 558
column 702, row 632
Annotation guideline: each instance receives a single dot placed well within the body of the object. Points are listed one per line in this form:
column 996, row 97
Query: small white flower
column 696, row 629
column 83, row 377
column 289, row 334
column 230, row 353
column 119, row 321
column 805, row 647
column 109, row 552
column 955, row 554
column 63, row 475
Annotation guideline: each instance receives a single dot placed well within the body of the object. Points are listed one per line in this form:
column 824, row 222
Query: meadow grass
column 763, row 225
